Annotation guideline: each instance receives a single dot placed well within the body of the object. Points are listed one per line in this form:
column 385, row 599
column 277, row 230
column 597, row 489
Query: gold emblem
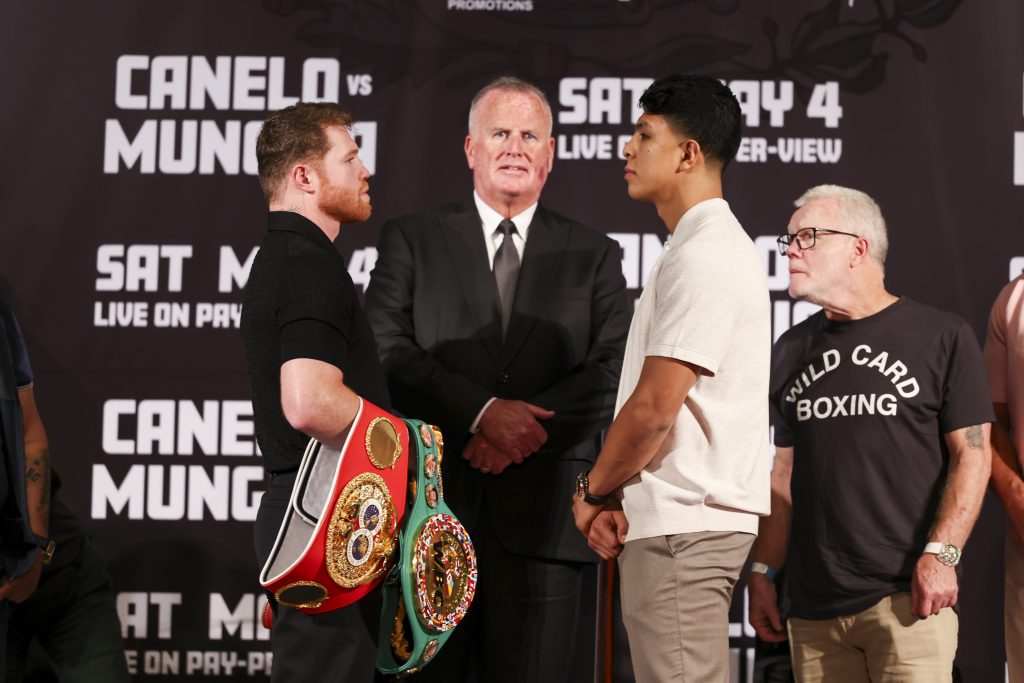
column 383, row 446
column 302, row 595
column 360, row 541
column 446, row 574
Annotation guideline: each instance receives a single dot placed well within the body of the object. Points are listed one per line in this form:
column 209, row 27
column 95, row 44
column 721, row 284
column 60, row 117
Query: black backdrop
column 129, row 210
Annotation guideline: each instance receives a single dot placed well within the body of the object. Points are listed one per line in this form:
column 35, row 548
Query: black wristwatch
column 583, row 490
column 46, row 547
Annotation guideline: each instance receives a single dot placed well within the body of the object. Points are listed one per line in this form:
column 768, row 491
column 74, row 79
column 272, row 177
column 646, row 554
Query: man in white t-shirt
column 688, row 449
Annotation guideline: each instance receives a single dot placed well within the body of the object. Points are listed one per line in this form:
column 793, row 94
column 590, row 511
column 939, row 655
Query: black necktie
column 506, row 271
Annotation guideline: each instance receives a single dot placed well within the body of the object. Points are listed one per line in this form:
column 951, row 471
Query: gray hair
column 858, row 213
column 510, row 84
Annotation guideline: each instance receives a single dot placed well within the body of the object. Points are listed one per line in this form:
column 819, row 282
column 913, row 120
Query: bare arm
column 935, row 585
column 969, row 468
column 770, row 549
column 37, row 493
column 1006, row 477
column 639, row 430
column 643, row 423
column 37, row 464
column 316, row 401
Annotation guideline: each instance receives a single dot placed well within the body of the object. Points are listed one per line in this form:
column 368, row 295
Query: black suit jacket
column 433, row 305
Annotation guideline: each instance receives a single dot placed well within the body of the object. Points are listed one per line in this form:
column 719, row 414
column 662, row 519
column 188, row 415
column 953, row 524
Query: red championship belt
column 339, row 534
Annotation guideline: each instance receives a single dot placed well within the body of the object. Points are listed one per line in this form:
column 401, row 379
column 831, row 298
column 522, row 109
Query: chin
column 636, row 194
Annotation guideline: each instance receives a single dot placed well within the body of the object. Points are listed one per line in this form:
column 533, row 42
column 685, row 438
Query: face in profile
column 510, row 147
column 344, row 192
column 652, row 156
column 816, row 272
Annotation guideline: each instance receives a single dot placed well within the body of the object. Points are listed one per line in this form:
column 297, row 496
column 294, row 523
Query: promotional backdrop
column 130, row 215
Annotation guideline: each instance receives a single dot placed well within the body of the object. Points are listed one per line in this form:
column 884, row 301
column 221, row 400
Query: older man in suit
column 504, row 323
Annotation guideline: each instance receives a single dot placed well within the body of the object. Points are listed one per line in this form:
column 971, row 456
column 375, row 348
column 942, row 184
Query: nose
column 793, row 249
column 627, row 149
column 515, row 145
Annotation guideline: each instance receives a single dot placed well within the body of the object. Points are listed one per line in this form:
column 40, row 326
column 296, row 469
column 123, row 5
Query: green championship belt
column 430, row 588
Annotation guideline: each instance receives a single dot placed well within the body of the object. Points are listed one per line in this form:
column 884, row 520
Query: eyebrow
column 642, row 124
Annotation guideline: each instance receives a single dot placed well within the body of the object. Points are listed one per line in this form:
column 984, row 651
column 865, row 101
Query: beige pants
column 885, row 643
column 676, row 592
column 1013, row 610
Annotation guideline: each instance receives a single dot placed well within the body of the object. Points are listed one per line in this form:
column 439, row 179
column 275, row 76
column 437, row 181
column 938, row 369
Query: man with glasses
column 881, row 416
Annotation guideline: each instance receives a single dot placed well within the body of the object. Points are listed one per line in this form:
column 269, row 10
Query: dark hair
column 293, row 134
column 699, row 107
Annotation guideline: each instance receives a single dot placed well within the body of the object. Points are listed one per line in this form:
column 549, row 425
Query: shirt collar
column 289, row 221
column 490, row 218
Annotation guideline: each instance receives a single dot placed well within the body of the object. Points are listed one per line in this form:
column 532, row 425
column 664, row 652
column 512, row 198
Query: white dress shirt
column 489, row 221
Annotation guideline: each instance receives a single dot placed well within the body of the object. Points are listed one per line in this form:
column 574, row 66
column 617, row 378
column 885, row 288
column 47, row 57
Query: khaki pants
column 675, row 593
column 1014, row 608
column 885, row 643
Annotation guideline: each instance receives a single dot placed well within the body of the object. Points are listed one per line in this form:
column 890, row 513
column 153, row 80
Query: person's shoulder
column 798, row 334
column 431, row 215
column 928, row 317
column 581, row 234
column 1014, row 289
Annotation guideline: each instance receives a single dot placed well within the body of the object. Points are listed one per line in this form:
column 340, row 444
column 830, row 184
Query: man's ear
column 690, row 155
column 304, row 178
column 470, row 144
column 861, row 251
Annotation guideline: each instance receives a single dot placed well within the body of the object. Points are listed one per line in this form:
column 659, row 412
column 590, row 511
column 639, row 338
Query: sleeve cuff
column 475, row 427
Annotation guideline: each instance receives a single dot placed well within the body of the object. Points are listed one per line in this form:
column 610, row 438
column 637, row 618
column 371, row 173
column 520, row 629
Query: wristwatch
column 46, row 547
column 945, row 552
column 583, row 490
column 762, row 568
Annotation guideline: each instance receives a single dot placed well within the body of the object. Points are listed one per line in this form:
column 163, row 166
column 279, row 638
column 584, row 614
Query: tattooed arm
column 970, row 458
column 37, row 488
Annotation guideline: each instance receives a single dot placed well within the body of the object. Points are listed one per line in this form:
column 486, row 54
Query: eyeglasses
column 806, row 237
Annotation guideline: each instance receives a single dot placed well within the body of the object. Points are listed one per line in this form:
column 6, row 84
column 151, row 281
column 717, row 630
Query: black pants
column 335, row 646
column 522, row 624
column 73, row 616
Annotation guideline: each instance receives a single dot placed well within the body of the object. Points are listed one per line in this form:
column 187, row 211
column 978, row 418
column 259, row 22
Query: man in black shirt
column 310, row 354
column 881, row 412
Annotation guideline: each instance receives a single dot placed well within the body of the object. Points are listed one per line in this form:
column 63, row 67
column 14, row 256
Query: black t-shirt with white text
column 865, row 404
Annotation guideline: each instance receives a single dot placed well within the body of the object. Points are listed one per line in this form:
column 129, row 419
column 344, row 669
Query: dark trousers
column 334, row 646
column 522, row 624
column 73, row 616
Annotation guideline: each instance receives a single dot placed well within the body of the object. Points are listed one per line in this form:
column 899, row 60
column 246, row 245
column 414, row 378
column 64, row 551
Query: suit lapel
column 465, row 241
column 545, row 247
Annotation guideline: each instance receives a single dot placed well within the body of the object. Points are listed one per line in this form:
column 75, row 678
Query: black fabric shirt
column 865, row 404
column 300, row 302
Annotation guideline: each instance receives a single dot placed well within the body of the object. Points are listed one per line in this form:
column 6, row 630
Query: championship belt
column 338, row 537
column 432, row 585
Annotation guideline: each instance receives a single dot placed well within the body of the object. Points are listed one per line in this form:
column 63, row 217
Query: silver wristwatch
column 945, row 552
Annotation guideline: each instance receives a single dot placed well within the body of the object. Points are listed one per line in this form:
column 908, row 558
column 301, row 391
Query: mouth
column 513, row 169
column 629, row 173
